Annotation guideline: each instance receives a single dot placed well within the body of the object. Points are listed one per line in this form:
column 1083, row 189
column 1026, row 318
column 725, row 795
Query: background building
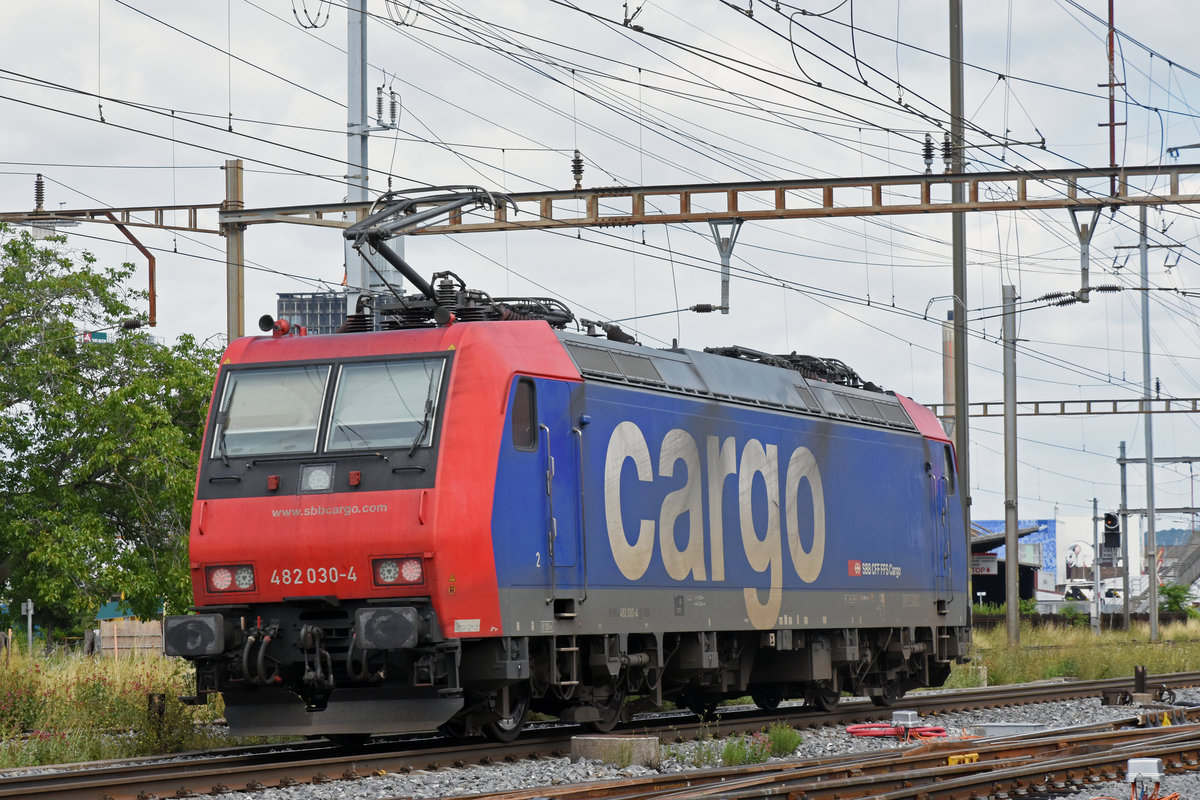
column 320, row 312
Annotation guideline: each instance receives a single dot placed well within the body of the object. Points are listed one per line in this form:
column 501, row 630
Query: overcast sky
column 500, row 94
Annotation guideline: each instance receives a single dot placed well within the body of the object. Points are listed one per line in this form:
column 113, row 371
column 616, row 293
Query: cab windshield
column 270, row 411
column 282, row 410
column 388, row 404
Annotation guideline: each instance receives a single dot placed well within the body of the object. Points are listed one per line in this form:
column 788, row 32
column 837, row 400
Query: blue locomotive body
column 685, row 505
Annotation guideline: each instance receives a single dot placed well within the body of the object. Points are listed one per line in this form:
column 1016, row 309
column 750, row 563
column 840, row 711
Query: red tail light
column 398, row 571
column 229, row 578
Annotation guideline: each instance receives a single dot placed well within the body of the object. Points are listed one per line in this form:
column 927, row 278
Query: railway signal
column 1112, row 530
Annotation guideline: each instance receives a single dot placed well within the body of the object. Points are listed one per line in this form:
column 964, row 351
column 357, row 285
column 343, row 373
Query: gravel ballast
column 684, row 756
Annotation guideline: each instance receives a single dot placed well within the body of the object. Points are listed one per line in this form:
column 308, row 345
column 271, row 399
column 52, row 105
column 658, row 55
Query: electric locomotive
column 481, row 513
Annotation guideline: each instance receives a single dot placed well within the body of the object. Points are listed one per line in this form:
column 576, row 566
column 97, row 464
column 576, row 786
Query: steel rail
column 254, row 768
column 1058, row 759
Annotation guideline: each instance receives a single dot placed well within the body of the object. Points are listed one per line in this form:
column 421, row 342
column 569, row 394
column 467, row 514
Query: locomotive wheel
column 610, row 713
column 767, row 700
column 822, row 698
column 891, row 693
column 506, row 729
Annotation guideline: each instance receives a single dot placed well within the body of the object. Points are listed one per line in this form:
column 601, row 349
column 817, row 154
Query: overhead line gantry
column 786, row 199
column 617, row 206
column 1073, row 189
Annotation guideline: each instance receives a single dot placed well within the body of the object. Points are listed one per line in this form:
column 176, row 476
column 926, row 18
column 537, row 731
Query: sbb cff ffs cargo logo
column 873, row 569
column 784, row 476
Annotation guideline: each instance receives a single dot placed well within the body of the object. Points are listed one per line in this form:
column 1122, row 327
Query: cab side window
column 948, row 470
column 524, row 416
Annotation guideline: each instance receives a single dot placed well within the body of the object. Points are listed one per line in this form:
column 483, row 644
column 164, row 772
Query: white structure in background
column 1074, row 558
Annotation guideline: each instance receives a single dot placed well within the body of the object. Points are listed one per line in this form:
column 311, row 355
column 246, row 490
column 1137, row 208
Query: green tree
column 1174, row 597
column 98, row 441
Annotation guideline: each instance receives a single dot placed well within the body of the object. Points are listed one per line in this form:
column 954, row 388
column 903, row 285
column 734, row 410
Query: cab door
column 560, row 445
column 536, row 515
column 943, row 489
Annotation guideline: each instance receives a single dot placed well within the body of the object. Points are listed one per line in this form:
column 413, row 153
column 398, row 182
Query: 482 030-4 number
column 292, row 576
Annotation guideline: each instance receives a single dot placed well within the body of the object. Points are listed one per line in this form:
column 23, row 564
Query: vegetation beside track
column 1072, row 651
column 64, row 707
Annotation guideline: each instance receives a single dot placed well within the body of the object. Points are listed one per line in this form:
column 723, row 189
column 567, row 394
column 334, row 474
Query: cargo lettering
column 763, row 548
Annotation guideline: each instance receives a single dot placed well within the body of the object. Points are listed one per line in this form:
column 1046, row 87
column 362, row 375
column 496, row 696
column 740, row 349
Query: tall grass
column 64, row 708
column 753, row 748
column 1070, row 651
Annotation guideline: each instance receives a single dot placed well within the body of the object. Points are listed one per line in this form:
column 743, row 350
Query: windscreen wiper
column 223, row 421
column 428, row 415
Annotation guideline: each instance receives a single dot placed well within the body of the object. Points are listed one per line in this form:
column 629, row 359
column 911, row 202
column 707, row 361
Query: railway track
column 1055, row 761
column 250, row 768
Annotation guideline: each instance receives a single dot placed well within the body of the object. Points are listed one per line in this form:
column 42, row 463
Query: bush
column 72, row 708
column 1072, row 615
column 1175, row 597
column 167, row 727
column 19, row 700
column 741, row 750
column 784, row 739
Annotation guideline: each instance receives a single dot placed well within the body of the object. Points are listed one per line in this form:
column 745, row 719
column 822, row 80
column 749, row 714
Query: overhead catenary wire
column 873, row 221
column 195, row 145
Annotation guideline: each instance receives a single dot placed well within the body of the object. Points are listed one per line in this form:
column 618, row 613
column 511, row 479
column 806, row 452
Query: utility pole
column 1012, row 565
column 1151, row 544
column 1124, row 512
column 235, row 253
column 1095, row 565
column 27, row 610
column 356, row 133
column 361, row 268
column 1112, row 100
column 959, row 236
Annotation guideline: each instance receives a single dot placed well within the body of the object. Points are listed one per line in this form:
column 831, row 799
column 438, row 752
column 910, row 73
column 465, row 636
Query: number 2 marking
column 539, row 558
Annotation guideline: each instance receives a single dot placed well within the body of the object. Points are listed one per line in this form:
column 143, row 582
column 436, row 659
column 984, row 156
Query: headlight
column 193, row 635
column 398, row 571
column 243, row 578
column 316, row 477
column 229, row 578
